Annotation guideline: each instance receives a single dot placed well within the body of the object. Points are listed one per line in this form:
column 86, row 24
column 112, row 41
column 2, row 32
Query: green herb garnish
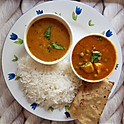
column 81, row 76
column 53, row 45
column 90, row 24
column 96, row 56
column 99, row 38
column 47, row 33
column 51, row 108
column 85, row 64
column 57, row 46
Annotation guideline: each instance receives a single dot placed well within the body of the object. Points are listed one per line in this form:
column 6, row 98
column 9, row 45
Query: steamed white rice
column 47, row 86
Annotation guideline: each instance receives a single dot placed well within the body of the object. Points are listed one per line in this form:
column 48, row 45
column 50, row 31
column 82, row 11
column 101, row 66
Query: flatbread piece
column 90, row 101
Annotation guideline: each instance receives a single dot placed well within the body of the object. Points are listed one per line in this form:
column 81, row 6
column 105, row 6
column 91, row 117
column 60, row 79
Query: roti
column 90, row 101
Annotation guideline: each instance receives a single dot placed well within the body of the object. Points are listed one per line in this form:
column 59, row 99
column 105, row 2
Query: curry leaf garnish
column 51, row 108
column 96, row 56
column 99, row 38
column 90, row 23
column 53, row 45
column 56, row 46
column 81, row 76
column 85, row 64
column 47, row 33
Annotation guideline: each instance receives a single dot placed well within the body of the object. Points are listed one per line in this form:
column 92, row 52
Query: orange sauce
column 39, row 45
column 89, row 44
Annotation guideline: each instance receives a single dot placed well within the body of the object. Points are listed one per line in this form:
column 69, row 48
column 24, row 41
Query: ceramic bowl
column 80, row 66
column 53, row 16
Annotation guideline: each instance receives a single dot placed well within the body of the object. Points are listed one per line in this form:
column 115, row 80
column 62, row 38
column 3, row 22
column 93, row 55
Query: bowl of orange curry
column 93, row 58
column 48, row 38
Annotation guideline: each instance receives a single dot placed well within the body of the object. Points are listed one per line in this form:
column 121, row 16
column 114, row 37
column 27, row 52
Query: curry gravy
column 82, row 57
column 39, row 45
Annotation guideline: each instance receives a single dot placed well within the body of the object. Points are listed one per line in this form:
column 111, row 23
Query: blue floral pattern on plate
column 15, row 58
column 34, row 105
column 39, row 12
column 67, row 114
column 117, row 65
column 66, row 111
column 109, row 33
column 77, row 12
column 90, row 23
column 11, row 76
column 14, row 36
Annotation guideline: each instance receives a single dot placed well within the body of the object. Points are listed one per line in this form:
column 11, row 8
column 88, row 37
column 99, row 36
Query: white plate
column 80, row 27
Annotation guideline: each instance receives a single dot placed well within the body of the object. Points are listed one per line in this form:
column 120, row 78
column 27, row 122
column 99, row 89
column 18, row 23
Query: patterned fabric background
column 11, row 111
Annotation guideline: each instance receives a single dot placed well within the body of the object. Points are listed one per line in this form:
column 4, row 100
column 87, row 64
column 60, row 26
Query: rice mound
column 53, row 85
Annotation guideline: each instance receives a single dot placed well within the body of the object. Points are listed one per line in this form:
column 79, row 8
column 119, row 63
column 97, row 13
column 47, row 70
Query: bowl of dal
column 48, row 38
column 93, row 58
